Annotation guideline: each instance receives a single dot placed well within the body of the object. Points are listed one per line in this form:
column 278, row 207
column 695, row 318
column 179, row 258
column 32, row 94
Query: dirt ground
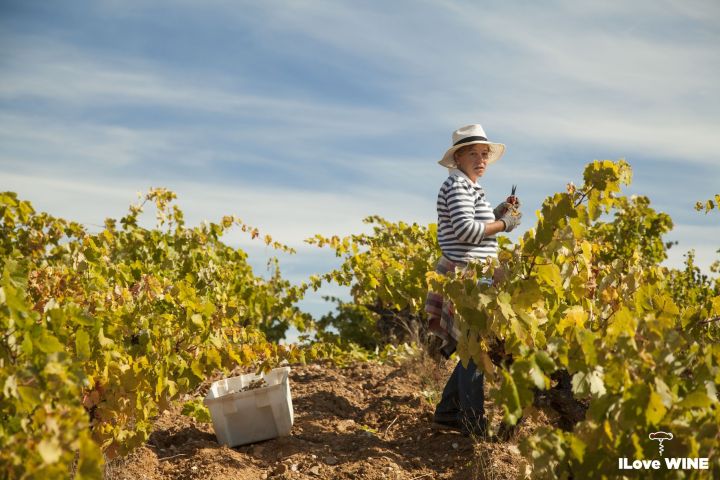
column 365, row 421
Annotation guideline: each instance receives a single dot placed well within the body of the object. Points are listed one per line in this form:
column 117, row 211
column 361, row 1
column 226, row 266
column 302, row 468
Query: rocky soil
column 365, row 421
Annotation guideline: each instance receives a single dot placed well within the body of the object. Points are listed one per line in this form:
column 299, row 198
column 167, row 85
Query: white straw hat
column 470, row 135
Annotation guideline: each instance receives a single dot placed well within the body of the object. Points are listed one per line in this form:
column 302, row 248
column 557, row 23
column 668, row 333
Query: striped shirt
column 462, row 213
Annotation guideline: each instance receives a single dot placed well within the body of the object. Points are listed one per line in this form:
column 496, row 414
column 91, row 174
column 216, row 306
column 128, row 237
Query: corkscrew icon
column 661, row 437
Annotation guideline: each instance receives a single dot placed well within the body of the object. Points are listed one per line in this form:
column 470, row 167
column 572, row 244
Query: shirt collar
column 460, row 173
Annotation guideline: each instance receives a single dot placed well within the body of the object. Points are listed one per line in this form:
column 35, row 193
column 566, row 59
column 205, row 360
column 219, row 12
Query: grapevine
column 385, row 271
column 103, row 330
column 583, row 308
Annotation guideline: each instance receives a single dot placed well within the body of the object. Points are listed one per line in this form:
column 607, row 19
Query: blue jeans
column 463, row 397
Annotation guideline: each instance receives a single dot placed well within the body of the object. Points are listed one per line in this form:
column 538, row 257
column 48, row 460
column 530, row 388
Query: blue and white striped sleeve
column 460, row 203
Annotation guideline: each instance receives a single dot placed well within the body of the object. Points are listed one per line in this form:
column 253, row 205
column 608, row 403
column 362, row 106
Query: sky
column 304, row 117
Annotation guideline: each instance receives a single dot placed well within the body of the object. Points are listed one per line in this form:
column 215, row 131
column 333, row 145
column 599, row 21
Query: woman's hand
column 511, row 219
column 511, row 203
column 501, row 209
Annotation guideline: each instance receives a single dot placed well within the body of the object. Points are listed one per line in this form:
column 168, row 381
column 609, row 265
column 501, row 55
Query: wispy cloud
column 36, row 141
column 540, row 72
column 290, row 218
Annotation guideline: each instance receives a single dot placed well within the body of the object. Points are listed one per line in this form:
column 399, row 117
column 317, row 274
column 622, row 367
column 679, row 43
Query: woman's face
column 473, row 160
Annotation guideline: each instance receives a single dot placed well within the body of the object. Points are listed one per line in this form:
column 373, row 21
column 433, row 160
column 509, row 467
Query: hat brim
column 496, row 151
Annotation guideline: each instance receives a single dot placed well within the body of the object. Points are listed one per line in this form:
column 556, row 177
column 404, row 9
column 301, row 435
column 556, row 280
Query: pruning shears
column 512, row 199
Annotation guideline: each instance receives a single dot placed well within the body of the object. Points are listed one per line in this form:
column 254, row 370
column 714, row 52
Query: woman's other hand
column 499, row 275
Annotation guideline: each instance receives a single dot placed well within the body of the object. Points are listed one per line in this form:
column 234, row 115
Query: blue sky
column 303, row 117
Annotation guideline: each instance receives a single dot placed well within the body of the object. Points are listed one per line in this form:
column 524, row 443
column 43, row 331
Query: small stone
column 455, row 445
column 345, row 425
column 315, row 470
column 331, row 460
column 294, row 467
column 281, row 468
column 193, row 468
column 263, row 476
column 313, row 456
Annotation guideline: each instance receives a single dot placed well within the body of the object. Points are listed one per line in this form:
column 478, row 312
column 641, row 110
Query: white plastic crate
column 245, row 417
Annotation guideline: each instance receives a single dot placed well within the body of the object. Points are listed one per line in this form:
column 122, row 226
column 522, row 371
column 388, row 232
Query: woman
column 467, row 225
